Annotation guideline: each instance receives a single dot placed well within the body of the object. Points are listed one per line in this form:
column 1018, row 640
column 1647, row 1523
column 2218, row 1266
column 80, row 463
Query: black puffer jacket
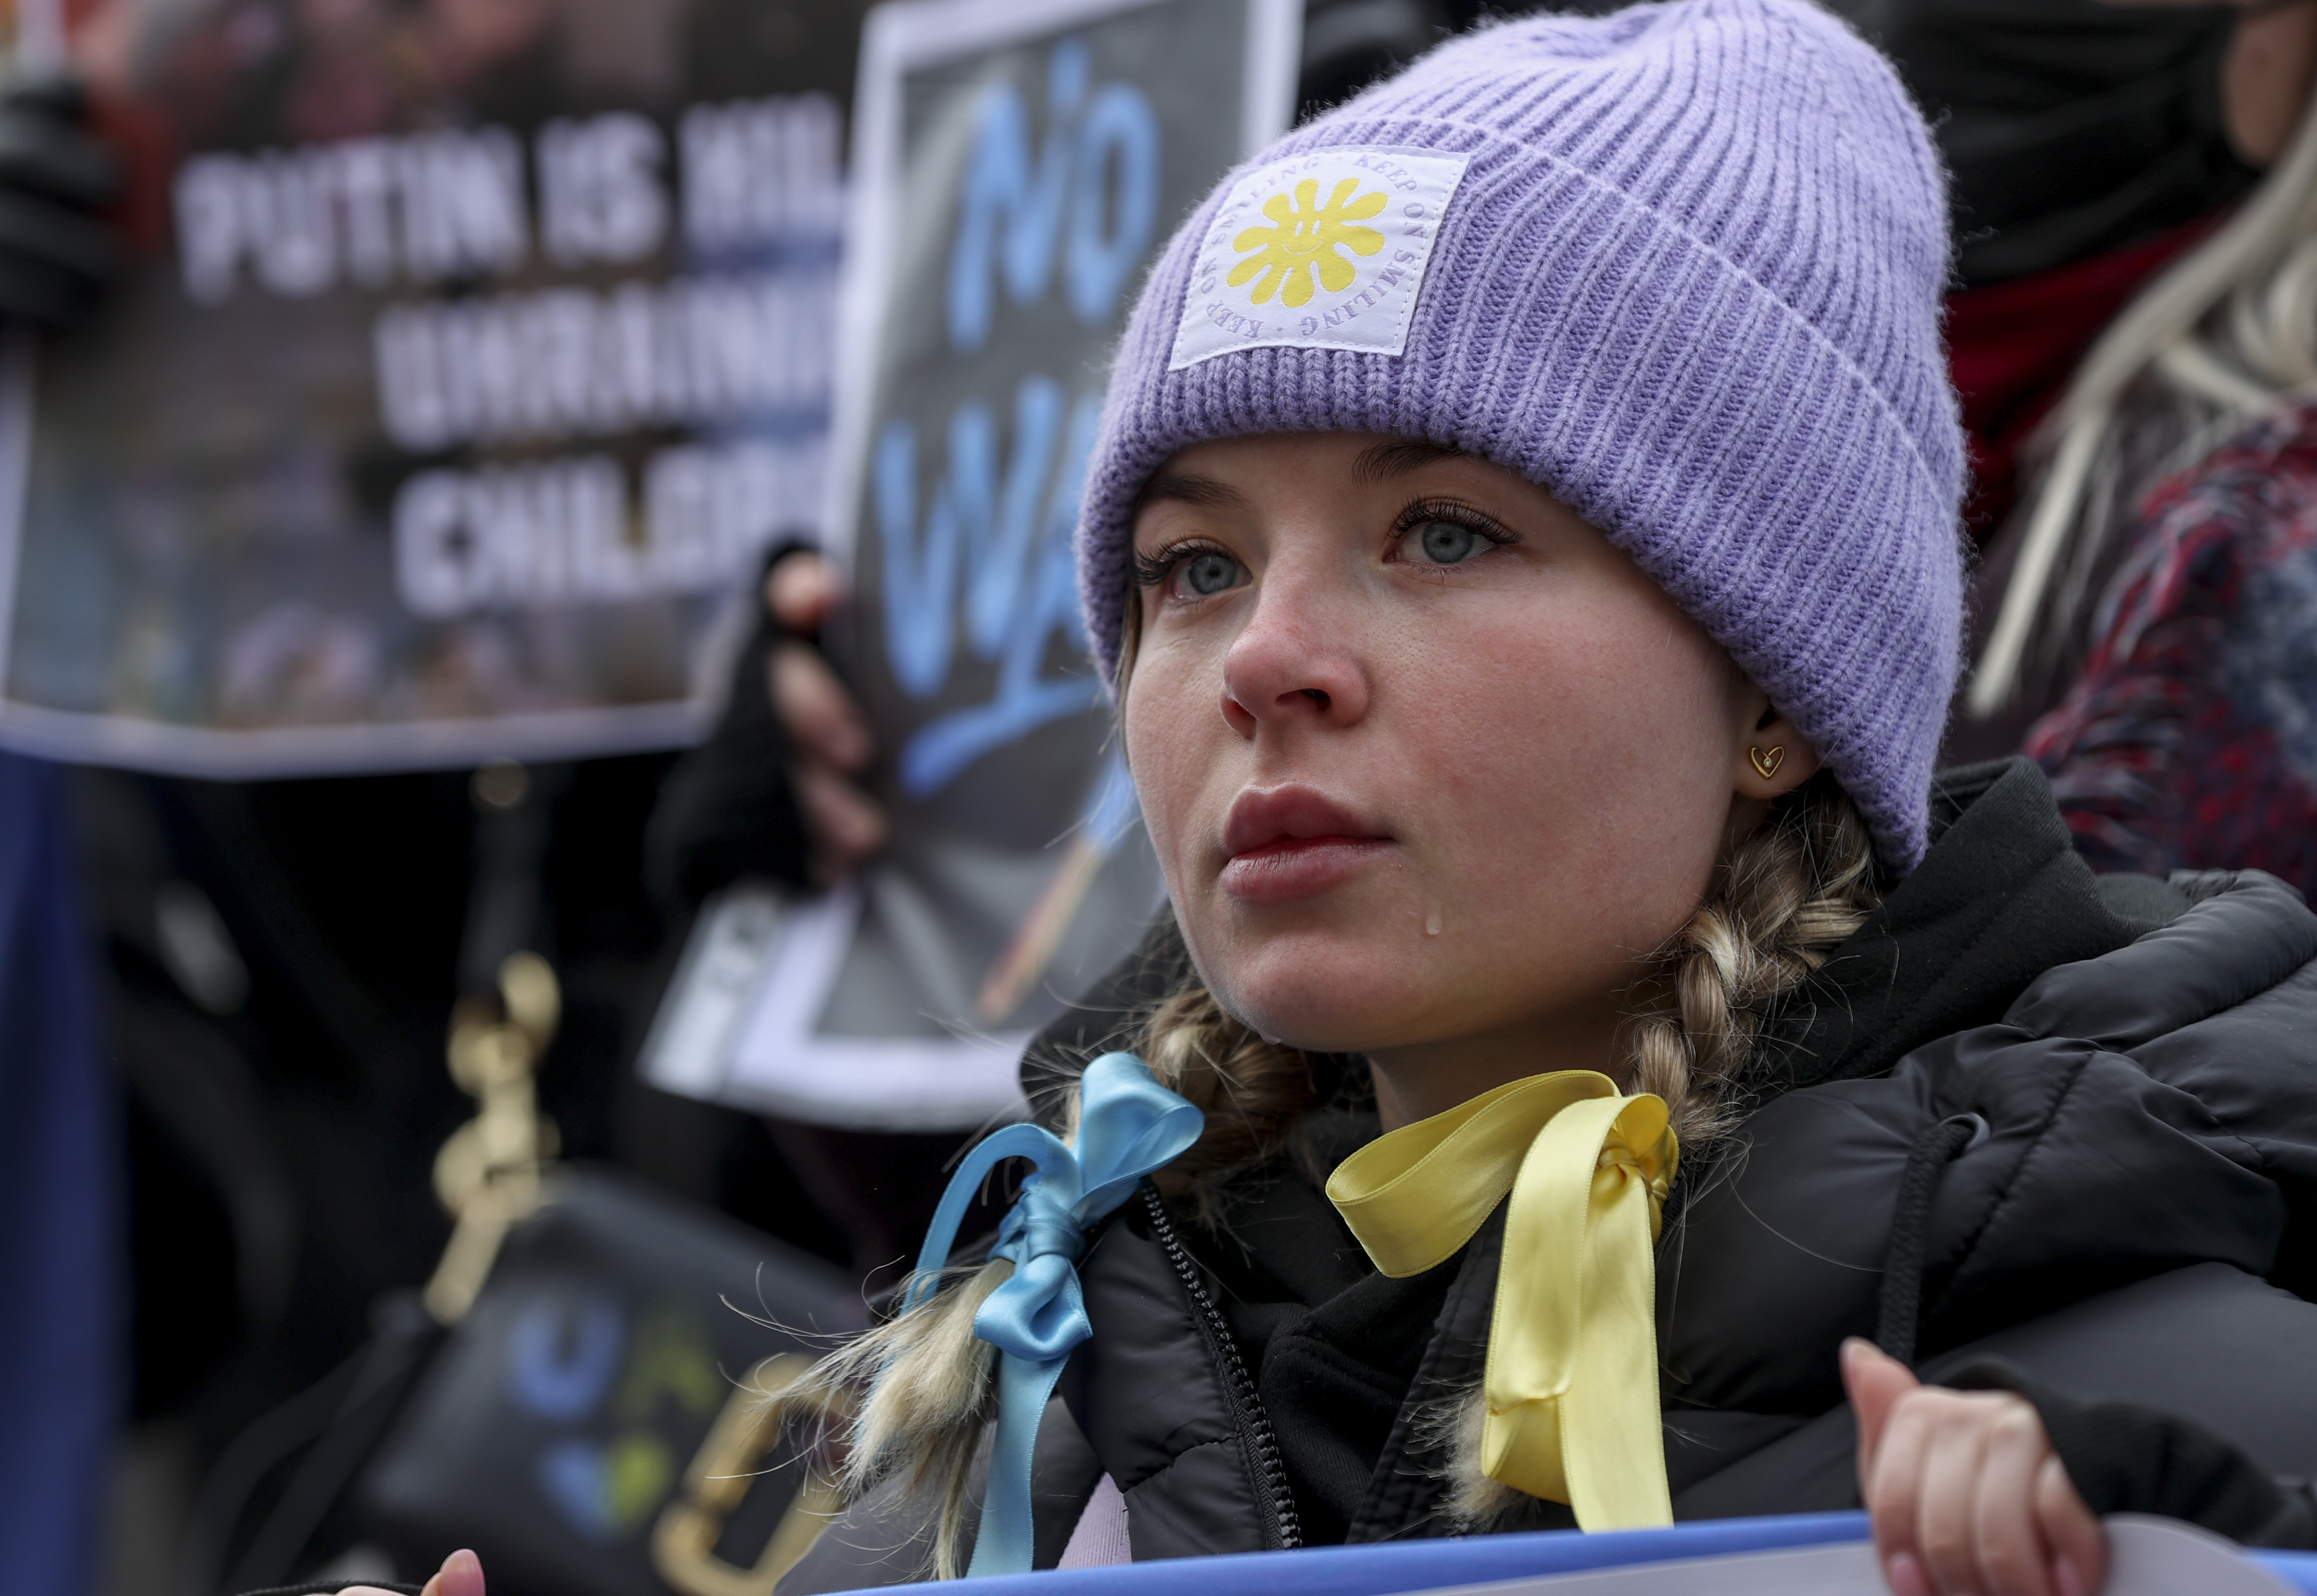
column 2040, row 1129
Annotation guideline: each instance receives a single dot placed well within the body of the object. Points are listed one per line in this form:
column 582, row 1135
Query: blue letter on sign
column 1001, row 549
column 1101, row 167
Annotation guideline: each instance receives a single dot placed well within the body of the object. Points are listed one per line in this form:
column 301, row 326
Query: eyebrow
column 1373, row 465
column 1204, row 492
column 1401, row 455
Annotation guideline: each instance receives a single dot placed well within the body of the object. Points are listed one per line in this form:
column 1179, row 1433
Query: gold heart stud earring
column 1767, row 760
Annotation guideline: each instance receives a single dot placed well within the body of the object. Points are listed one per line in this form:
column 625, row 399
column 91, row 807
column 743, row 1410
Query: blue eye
column 1209, row 572
column 1449, row 542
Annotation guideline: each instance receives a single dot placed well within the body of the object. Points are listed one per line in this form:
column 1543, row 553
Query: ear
column 1773, row 757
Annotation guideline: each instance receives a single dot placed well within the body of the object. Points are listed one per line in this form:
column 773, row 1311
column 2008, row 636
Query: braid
column 916, row 1395
column 1253, row 1094
column 1790, row 893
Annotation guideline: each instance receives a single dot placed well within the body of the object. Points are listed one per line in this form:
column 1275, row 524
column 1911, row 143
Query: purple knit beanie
column 1682, row 266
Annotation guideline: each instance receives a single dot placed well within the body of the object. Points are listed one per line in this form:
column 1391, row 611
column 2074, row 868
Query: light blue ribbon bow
column 1129, row 1125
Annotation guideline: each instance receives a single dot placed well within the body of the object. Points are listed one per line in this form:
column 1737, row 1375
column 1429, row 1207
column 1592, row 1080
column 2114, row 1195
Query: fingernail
column 1903, row 1572
column 463, row 1574
column 2065, row 1580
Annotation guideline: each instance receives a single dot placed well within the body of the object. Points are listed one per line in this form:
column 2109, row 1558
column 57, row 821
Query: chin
column 1318, row 1000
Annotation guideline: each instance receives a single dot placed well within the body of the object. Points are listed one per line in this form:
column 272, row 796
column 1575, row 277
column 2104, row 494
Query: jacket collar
column 2001, row 897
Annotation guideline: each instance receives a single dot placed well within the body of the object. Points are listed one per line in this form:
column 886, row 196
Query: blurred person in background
column 2153, row 605
column 2088, row 144
column 2130, row 337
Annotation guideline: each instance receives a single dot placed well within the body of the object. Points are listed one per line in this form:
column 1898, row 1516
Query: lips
column 1293, row 842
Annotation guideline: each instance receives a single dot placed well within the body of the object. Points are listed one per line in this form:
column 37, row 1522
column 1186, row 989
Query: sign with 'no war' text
column 1017, row 165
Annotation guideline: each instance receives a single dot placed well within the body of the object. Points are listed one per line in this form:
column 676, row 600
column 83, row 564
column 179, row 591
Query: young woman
column 1523, row 544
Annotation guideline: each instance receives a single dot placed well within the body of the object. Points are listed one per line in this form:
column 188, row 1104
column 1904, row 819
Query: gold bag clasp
column 684, row 1541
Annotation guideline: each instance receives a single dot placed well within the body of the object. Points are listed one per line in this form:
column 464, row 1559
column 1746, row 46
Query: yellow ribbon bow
column 1572, row 1368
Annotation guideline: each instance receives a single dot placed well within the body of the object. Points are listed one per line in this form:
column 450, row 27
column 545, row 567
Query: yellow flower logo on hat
column 1305, row 240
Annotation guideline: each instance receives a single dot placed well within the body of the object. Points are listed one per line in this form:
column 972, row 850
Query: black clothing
column 2069, row 127
column 2125, row 1459
column 2000, row 898
column 1333, row 1344
column 728, row 809
column 57, row 255
column 2136, row 1052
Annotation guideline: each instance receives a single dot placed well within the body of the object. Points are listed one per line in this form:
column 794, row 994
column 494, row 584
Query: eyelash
column 1456, row 513
column 1154, row 569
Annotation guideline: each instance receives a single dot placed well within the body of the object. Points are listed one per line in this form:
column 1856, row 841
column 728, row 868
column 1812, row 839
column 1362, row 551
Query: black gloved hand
column 729, row 807
column 57, row 255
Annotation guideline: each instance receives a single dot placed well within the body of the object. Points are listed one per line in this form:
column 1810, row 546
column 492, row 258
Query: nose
column 1295, row 662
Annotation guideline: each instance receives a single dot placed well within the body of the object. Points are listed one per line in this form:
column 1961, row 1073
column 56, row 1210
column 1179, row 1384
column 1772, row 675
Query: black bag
column 579, row 1393
column 594, row 1424
column 591, row 1428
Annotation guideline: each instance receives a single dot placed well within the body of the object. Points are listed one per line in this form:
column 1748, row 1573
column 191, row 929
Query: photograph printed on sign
column 1028, row 164
column 470, row 357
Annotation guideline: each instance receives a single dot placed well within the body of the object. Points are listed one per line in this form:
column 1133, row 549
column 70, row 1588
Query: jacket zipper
column 1254, row 1421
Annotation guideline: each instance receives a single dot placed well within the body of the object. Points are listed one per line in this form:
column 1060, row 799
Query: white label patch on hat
column 1322, row 250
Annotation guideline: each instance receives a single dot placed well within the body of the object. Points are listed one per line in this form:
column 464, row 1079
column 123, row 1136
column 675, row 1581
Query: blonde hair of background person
column 2225, row 337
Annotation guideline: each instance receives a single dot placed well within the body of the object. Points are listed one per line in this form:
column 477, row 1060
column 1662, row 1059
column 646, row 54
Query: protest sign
column 1825, row 1554
column 1017, row 163
column 470, row 354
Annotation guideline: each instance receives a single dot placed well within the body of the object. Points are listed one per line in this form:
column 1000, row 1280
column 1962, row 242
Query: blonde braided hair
column 1790, row 892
